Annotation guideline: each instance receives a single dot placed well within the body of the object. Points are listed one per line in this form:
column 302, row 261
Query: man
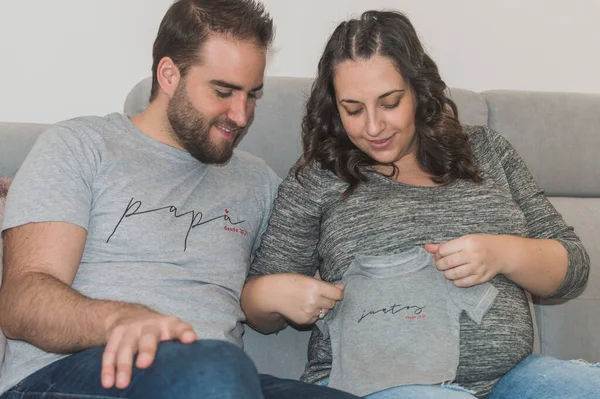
column 127, row 242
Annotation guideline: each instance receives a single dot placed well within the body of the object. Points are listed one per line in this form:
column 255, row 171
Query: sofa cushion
column 16, row 140
column 557, row 134
column 567, row 328
column 472, row 108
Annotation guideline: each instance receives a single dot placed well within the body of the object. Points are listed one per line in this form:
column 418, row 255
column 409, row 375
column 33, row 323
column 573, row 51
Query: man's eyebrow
column 380, row 97
column 231, row 86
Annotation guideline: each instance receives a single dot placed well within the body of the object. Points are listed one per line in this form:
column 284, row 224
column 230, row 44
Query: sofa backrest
column 557, row 134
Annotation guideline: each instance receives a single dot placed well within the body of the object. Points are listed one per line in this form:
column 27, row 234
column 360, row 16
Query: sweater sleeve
column 542, row 218
column 289, row 245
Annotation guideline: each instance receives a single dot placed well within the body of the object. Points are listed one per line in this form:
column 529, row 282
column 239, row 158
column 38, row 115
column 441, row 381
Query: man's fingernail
column 145, row 357
column 106, row 380
column 121, row 378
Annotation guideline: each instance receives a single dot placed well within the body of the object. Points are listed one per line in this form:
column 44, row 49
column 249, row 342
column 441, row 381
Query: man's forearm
column 49, row 314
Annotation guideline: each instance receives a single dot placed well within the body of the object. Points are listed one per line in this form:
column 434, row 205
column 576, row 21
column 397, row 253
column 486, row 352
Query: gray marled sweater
column 312, row 229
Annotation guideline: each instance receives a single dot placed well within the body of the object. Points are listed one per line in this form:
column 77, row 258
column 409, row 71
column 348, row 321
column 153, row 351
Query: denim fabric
column 546, row 377
column 206, row 369
column 535, row 377
column 422, row 392
column 446, row 391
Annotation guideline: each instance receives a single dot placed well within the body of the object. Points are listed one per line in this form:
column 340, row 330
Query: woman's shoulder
column 315, row 174
column 485, row 141
column 476, row 132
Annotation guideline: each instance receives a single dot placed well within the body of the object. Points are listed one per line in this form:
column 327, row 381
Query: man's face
column 215, row 101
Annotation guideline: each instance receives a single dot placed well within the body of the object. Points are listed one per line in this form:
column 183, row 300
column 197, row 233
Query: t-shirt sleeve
column 54, row 183
column 289, row 244
column 475, row 300
column 543, row 220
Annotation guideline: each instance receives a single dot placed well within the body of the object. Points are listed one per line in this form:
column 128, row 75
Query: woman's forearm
column 537, row 265
column 258, row 314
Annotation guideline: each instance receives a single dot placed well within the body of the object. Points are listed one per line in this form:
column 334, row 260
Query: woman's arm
column 281, row 284
column 551, row 261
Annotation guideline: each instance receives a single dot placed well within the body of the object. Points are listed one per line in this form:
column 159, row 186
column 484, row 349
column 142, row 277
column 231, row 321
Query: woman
column 387, row 167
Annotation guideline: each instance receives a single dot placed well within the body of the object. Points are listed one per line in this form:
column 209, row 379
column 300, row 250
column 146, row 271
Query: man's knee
column 203, row 356
column 202, row 369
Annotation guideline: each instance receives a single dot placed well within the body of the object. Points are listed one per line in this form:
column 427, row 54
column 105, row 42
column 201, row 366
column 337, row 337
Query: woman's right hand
column 299, row 298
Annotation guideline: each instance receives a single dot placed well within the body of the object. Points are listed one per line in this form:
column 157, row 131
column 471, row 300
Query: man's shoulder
column 92, row 129
column 87, row 125
column 246, row 163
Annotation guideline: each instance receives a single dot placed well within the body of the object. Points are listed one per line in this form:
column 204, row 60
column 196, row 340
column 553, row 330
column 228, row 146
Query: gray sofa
column 558, row 135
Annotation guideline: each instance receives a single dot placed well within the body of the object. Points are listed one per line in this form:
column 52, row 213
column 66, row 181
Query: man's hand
column 138, row 330
column 471, row 259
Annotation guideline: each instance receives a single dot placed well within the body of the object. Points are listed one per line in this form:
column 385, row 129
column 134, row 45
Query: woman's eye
column 354, row 112
column 391, row 106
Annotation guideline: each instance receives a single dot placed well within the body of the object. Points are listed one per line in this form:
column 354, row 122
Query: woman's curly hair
column 442, row 149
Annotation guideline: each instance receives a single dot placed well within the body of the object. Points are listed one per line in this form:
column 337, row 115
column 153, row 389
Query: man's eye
column 222, row 94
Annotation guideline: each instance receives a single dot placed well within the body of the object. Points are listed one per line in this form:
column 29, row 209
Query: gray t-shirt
column 398, row 323
column 163, row 229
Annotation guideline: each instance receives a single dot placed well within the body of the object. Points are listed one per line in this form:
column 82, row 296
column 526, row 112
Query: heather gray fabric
column 398, row 323
column 311, row 228
column 556, row 148
column 163, row 229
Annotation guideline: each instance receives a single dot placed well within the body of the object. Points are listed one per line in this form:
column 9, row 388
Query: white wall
column 64, row 58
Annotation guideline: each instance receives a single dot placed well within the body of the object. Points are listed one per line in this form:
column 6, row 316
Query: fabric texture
column 205, row 369
column 163, row 229
column 547, row 377
column 398, row 323
column 312, row 229
column 4, row 185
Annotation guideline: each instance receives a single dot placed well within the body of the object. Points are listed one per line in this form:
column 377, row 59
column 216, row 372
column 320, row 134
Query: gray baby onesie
column 399, row 323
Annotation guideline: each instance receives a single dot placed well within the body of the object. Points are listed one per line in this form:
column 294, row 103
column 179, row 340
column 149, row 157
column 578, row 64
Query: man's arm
column 38, row 305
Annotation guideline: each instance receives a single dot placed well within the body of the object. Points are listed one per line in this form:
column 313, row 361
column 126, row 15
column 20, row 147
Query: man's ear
column 168, row 76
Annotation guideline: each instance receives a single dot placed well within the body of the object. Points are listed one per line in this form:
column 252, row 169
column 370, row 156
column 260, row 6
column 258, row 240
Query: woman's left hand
column 472, row 259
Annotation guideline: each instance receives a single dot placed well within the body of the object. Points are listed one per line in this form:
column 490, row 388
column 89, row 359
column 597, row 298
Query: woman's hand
column 472, row 259
column 298, row 298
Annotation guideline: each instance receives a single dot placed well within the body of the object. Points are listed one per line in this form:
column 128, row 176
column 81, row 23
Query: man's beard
column 192, row 131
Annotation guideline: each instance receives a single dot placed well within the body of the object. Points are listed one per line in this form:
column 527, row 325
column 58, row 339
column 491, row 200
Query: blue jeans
column 536, row 377
column 206, row 369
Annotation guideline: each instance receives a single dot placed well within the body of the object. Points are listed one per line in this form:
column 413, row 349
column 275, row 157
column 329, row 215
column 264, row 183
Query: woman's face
column 377, row 107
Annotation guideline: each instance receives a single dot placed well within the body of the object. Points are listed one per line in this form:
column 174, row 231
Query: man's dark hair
column 188, row 24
